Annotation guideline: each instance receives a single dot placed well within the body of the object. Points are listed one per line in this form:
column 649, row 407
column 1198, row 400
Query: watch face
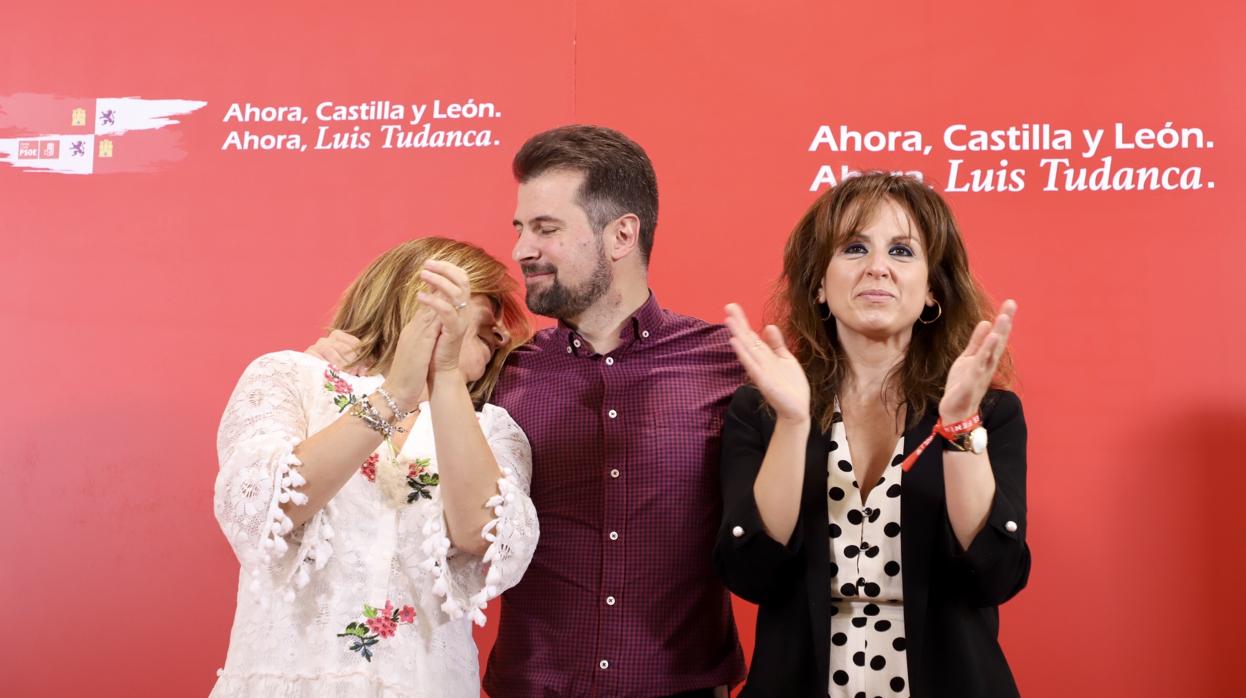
column 977, row 440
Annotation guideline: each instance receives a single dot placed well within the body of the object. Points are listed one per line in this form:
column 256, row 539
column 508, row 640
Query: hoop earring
column 931, row 320
column 828, row 312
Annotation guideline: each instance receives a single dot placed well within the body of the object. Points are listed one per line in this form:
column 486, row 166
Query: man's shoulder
column 698, row 340
column 539, row 344
column 688, row 323
column 678, row 327
column 533, row 354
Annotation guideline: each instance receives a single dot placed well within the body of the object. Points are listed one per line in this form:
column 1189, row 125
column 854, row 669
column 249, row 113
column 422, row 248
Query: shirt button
column 609, row 360
column 1010, row 526
column 576, row 343
column 603, row 664
column 612, row 414
column 645, row 334
column 609, row 600
column 738, row 531
column 614, row 472
column 614, row 535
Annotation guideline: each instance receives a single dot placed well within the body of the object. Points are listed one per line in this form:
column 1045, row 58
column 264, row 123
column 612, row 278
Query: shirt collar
column 641, row 326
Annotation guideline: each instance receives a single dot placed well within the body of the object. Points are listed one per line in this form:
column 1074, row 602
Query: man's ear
column 623, row 236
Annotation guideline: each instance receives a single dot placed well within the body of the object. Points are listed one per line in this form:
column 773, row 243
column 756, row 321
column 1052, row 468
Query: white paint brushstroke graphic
column 138, row 114
column 124, row 114
column 65, row 163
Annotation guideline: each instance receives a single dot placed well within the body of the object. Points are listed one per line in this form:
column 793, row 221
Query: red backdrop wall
column 131, row 298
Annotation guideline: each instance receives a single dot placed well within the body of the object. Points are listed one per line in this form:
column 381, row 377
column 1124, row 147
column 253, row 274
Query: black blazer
column 951, row 597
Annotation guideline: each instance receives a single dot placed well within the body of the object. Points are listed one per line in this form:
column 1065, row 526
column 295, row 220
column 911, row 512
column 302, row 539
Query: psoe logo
column 38, row 150
column 68, row 135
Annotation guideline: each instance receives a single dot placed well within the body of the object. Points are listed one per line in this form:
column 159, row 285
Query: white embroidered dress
column 367, row 598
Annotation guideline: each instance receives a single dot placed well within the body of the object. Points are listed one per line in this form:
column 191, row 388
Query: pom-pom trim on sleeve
column 497, row 532
column 314, row 547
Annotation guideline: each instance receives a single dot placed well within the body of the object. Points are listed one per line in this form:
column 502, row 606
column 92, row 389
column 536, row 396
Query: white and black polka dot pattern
column 867, row 594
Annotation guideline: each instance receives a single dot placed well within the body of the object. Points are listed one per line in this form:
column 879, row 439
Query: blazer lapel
column 817, row 550
column 921, row 509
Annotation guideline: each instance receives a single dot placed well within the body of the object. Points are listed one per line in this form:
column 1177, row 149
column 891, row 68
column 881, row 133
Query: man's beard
column 562, row 302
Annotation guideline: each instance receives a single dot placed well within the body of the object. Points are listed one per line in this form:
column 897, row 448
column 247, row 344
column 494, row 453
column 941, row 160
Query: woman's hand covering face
column 449, row 296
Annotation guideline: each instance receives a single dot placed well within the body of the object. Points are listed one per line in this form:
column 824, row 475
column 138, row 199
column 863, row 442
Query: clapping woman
column 873, row 473
column 374, row 516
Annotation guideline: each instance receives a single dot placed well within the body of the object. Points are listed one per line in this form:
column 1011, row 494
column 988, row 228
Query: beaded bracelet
column 369, row 416
column 399, row 414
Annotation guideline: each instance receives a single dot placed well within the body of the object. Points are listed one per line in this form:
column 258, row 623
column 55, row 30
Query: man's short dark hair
column 618, row 176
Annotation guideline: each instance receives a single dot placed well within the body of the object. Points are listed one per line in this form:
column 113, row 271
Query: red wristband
column 948, row 431
column 964, row 426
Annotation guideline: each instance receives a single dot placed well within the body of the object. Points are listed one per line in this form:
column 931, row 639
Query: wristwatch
column 966, row 436
column 973, row 441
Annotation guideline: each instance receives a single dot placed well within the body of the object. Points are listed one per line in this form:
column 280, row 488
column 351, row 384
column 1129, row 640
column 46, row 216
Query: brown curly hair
column 834, row 217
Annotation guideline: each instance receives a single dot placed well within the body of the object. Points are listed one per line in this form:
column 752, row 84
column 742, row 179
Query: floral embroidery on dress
column 420, row 480
column 376, row 625
column 369, row 467
column 339, row 388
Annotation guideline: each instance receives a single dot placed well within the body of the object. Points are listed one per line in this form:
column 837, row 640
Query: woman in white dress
column 374, row 516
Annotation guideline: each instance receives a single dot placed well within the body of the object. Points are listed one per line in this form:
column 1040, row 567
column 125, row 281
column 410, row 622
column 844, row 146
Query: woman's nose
column 878, row 265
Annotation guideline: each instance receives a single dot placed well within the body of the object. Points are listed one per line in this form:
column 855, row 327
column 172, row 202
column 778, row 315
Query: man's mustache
column 533, row 269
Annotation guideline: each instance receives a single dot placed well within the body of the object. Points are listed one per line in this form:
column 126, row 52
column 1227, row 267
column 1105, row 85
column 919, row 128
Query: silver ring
column 461, row 306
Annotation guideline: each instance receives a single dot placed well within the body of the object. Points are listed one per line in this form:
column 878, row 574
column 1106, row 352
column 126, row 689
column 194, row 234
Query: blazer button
column 1010, row 526
column 738, row 531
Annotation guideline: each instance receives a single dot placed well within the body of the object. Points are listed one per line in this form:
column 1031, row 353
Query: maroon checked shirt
column 621, row 598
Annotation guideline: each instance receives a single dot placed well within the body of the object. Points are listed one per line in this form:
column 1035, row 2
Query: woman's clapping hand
column 972, row 372
column 771, row 367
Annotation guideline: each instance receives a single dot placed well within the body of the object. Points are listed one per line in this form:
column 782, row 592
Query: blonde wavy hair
column 382, row 300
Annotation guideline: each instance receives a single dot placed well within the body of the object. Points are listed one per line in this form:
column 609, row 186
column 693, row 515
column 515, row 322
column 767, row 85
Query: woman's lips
column 876, row 295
